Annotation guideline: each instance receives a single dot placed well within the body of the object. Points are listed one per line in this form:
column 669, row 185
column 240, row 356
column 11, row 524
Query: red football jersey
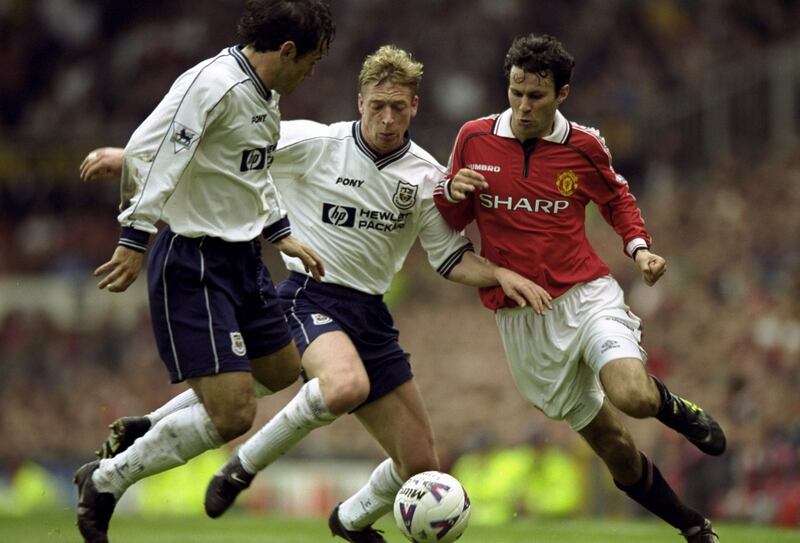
column 531, row 218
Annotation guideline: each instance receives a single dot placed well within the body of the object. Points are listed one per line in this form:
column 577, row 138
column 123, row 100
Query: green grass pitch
column 242, row 528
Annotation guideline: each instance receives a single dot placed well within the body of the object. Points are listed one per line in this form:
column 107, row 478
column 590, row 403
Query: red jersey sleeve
column 457, row 214
column 612, row 194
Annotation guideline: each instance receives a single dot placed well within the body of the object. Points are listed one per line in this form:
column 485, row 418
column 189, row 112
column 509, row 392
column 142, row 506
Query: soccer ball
column 432, row 507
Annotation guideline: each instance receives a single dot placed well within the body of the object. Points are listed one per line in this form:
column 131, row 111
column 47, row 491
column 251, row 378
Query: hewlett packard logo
column 253, row 159
column 257, row 159
column 338, row 215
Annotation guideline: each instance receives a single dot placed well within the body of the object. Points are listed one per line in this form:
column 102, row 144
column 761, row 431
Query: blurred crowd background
column 699, row 102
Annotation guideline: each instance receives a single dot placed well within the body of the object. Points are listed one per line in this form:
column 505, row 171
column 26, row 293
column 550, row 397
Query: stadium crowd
column 723, row 326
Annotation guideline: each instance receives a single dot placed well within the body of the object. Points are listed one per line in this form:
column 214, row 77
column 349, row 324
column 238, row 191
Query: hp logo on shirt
column 253, row 159
column 338, row 215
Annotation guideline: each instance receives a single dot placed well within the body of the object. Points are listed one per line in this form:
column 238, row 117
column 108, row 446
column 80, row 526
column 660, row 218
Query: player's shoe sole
column 367, row 535
column 226, row 484
column 124, row 431
column 692, row 421
column 701, row 534
column 94, row 508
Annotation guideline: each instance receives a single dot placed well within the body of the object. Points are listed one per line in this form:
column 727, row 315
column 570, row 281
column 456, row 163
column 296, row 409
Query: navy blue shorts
column 212, row 304
column 316, row 308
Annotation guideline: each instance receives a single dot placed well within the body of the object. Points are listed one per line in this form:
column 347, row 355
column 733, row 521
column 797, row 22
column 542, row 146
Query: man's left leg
column 271, row 373
column 227, row 411
column 640, row 478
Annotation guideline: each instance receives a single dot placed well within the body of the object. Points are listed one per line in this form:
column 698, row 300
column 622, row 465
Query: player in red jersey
column 526, row 176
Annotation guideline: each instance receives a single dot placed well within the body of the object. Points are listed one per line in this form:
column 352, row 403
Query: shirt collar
column 380, row 161
column 247, row 68
column 560, row 133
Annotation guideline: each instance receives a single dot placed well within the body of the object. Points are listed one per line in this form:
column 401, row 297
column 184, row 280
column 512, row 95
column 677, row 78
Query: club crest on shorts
column 182, row 137
column 237, row 344
column 405, row 196
column 319, row 319
column 567, row 183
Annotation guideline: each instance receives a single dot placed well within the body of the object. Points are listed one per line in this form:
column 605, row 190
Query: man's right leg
column 637, row 394
column 401, row 425
column 640, row 479
column 227, row 411
column 338, row 384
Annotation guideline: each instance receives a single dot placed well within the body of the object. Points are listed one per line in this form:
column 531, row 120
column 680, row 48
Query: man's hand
column 101, row 164
column 523, row 291
column 465, row 182
column 291, row 246
column 121, row 271
column 650, row 265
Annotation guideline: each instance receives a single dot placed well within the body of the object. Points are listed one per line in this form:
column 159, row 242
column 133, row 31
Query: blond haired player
column 360, row 193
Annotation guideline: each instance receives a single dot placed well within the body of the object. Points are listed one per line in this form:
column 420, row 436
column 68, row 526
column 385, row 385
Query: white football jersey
column 199, row 161
column 359, row 212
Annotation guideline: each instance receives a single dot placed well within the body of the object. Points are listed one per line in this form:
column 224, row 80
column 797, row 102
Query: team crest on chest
column 567, row 183
column 405, row 196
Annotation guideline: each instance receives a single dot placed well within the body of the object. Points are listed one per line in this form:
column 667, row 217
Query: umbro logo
column 608, row 345
column 484, row 168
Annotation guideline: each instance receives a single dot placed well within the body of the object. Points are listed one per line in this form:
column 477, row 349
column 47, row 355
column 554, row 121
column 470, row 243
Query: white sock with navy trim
column 372, row 500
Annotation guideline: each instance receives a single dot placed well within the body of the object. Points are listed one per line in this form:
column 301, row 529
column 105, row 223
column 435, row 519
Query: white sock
column 175, row 440
column 186, row 398
column 305, row 412
column 373, row 500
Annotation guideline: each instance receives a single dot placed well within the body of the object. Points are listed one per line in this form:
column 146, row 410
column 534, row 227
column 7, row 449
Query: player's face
column 295, row 70
column 386, row 111
column 533, row 101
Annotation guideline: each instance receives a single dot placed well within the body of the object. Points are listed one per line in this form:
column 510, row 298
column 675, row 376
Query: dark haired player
column 526, row 176
column 199, row 164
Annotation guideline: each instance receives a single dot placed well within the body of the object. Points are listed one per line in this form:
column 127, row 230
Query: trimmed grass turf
column 241, row 528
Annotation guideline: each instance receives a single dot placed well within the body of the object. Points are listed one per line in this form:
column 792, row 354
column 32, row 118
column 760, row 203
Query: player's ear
column 360, row 103
column 287, row 51
column 563, row 92
column 414, row 105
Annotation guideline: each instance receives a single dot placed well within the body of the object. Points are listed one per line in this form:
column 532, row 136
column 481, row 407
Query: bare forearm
column 474, row 271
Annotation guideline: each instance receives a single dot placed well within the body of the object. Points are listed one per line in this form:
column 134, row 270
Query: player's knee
column 345, row 392
column 235, row 422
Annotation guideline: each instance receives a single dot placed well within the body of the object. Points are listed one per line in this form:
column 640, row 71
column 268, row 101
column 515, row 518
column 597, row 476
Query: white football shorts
column 555, row 359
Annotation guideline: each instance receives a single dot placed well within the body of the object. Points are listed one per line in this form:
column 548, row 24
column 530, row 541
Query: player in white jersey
column 198, row 163
column 360, row 193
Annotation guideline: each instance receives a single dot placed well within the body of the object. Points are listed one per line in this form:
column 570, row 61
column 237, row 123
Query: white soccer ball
column 432, row 507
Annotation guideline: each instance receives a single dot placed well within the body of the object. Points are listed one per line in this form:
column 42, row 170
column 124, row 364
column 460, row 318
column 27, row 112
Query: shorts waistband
column 334, row 291
column 211, row 241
